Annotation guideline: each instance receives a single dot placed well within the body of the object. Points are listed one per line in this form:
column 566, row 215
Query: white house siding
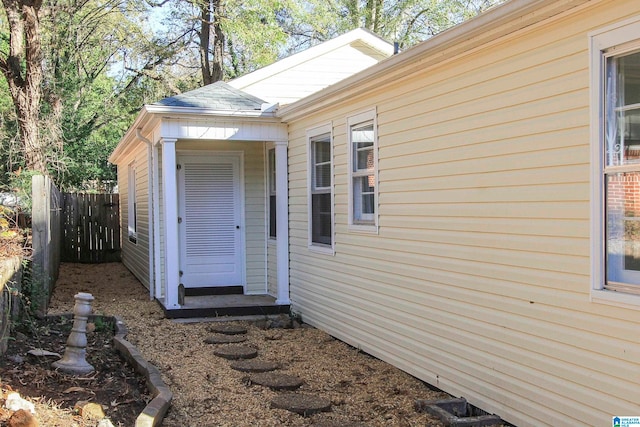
column 254, row 191
column 135, row 256
column 478, row 279
column 272, row 272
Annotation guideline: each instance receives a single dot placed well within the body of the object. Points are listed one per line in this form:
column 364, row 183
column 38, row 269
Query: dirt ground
column 363, row 390
column 115, row 386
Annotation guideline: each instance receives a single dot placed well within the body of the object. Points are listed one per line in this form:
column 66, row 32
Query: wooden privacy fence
column 91, row 228
column 46, row 238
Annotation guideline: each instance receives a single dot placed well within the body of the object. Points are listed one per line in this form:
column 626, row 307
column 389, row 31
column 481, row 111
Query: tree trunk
column 211, row 66
column 26, row 86
column 373, row 15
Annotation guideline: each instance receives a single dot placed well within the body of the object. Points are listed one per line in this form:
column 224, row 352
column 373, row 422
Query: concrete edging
column 154, row 412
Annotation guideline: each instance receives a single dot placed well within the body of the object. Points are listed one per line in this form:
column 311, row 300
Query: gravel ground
column 363, row 390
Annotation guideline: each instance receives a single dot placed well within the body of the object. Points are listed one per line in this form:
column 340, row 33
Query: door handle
column 237, row 227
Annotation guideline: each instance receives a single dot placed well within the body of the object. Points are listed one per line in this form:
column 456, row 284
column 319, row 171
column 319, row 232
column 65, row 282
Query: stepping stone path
column 228, row 329
column 254, row 365
column 276, row 381
column 225, row 339
column 235, row 352
column 303, row 404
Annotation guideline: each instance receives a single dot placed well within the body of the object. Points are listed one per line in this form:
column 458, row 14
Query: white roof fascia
column 491, row 25
column 130, row 137
column 284, row 64
column 198, row 111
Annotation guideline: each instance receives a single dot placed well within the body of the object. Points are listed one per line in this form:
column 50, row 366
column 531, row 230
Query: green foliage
column 103, row 325
column 31, row 294
column 103, row 60
column 19, row 183
column 407, row 22
column 254, row 32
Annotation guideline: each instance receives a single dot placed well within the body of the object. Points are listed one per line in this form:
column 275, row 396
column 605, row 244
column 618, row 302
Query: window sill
column 618, row 299
column 321, row 249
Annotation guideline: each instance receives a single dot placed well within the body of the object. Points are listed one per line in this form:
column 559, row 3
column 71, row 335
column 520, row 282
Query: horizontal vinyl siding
column 478, row 279
column 272, row 271
column 135, row 256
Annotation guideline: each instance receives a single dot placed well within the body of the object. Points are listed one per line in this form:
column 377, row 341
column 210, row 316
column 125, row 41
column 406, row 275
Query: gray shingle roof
column 216, row 96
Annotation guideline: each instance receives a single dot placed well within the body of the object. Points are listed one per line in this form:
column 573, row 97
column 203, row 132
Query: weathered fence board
column 46, row 237
column 91, row 228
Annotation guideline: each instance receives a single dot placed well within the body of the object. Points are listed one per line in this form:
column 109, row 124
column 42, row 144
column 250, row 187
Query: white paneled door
column 211, row 248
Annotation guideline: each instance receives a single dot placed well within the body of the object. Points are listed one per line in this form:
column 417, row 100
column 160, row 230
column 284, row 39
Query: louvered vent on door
column 209, row 204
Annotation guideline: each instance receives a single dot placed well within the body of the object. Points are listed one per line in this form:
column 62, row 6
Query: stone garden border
column 154, row 412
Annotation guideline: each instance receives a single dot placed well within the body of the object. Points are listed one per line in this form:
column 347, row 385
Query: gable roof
column 215, row 96
column 302, row 74
column 240, row 98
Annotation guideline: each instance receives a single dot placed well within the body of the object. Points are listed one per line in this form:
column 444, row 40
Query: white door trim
column 240, row 187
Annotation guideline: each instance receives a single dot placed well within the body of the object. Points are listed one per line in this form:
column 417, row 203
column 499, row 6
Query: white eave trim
column 151, row 113
column 199, row 112
column 130, row 136
column 491, row 25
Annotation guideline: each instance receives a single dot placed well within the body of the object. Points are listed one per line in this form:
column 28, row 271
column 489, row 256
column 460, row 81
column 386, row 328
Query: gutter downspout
column 152, row 261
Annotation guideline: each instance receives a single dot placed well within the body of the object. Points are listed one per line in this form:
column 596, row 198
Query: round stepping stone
column 254, row 365
column 276, row 381
column 303, row 404
column 235, row 352
column 225, row 339
column 339, row 424
column 228, row 329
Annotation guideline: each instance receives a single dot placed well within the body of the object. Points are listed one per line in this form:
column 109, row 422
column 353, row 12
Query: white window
column 271, row 178
column 363, row 171
column 132, row 204
column 616, row 140
column 320, row 188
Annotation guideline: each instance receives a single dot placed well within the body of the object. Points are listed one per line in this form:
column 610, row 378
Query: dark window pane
column 322, row 151
column 367, row 203
column 321, row 218
column 365, row 160
column 367, row 184
column 272, row 216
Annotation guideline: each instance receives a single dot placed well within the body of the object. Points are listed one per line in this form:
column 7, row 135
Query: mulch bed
column 207, row 391
column 114, row 385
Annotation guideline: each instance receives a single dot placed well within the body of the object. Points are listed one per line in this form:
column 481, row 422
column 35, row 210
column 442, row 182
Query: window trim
column 353, row 121
column 132, row 214
column 327, row 249
column 618, row 38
